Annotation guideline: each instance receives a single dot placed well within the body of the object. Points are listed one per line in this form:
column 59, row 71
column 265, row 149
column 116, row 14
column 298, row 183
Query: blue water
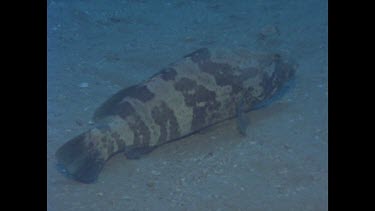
column 97, row 47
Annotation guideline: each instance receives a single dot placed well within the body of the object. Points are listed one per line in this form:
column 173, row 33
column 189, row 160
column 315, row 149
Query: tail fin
column 79, row 162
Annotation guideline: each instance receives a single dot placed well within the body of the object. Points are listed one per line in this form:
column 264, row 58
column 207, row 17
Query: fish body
column 201, row 89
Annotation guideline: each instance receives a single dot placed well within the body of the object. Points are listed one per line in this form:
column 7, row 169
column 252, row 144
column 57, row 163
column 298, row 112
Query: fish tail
column 76, row 160
column 83, row 157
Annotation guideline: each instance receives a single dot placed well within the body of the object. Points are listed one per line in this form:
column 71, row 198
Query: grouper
column 201, row 89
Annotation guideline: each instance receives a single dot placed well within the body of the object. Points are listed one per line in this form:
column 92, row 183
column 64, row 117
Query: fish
column 201, row 89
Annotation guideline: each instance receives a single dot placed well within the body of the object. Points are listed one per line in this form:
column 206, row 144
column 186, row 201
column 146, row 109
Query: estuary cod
column 203, row 88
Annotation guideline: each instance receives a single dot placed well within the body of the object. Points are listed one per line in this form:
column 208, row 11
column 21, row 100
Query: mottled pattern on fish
column 201, row 89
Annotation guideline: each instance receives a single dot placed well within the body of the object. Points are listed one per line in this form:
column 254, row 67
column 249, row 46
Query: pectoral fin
column 242, row 120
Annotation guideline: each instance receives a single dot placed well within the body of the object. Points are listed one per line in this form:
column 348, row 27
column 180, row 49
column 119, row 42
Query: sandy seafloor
column 281, row 164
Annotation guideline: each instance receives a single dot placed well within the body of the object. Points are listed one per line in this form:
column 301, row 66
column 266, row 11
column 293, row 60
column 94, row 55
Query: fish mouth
column 287, row 67
column 291, row 66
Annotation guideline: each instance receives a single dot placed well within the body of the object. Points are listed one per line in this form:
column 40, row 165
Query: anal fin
column 136, row 153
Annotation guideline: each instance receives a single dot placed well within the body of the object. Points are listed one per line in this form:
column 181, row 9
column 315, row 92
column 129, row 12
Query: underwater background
column 96, row 48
